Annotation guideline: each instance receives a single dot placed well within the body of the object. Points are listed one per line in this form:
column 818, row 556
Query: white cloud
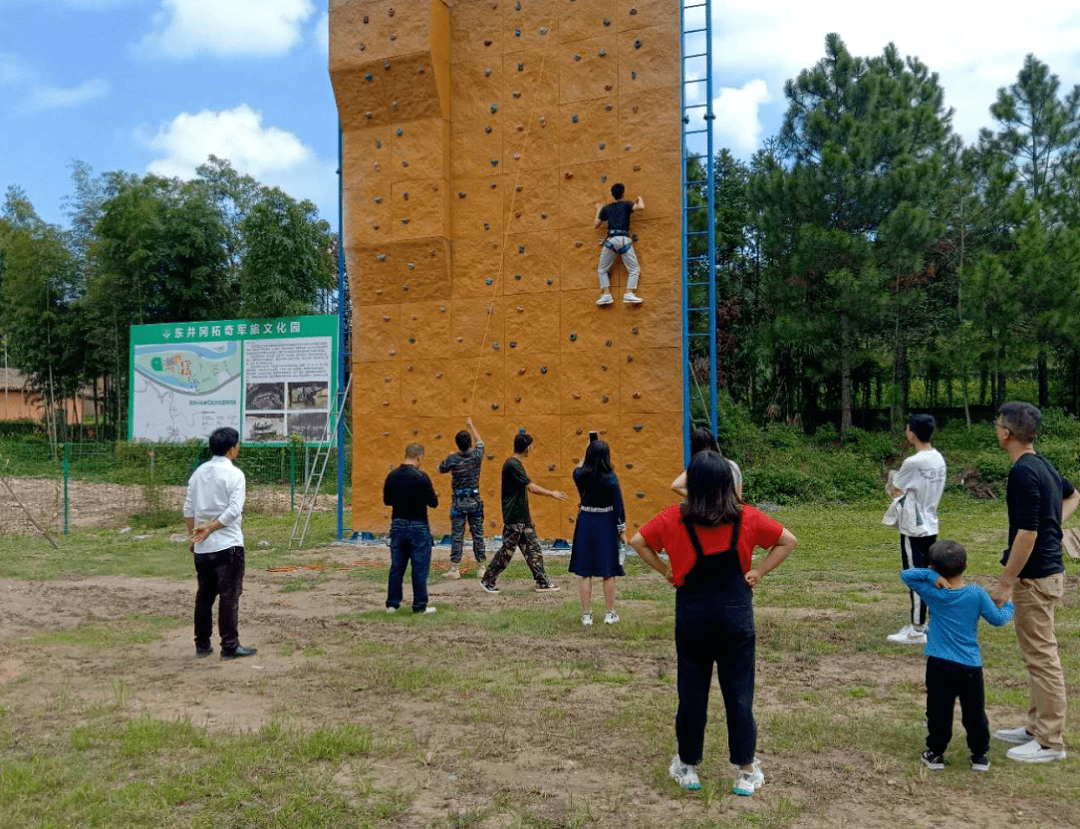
column 974, row 50
column 184, row 28
column 34, row 94
column 321, row 33
column 738, row 117
column 271, row 155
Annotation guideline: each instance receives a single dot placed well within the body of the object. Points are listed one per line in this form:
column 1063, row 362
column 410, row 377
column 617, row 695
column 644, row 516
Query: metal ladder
column 315, row 474
column 699, row 244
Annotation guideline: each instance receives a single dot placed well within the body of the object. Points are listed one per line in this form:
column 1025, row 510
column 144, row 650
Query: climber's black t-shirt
column 617, row 216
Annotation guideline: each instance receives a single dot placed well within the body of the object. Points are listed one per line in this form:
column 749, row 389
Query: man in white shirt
column 917, row 488
column 213, row 511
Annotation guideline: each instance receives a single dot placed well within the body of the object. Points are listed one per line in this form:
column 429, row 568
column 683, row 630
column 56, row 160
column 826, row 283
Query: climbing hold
column 628, row 147
column 365, row 19
column 637, row 44
column 604, row 399
column 578, row 243
column 487, row 42
column 495, row 345
column 363, row 46
column 369, row 77
column 412, row 340
column 543, row 121
column 494, row 406
column 521, row 371
column 629, row 358
column 607, row 21
column 543, row 215
column 629, row 466
column 517, row 189
column 607, row 87
column 420, row 69
column 461, row 194
column 543, row 30
column 517, row 5
column 568, row 176
column 517, row 276
column 393, row 352
column 640, row 494
column 601, row 145
column 517, row 32
column 369, row 114
column 574, row 118
column 638, row 427
column 438, row 375
column 487, row 226
column 520, row 308
column 378, row 144
column 405, row 196
column 633, row 12
column 487, row 71
column 382, row 257
column 633, row 330
column 603, row 368
column 521, row 128
column 494, row 162
column 487, row 130
column 386, row 402
column 400, row 131
column 637, row 168
column 412, row 266
column 517, row 156
column 607, row 343
column 550, row 281
column 551, row 467
column 521, row 66
column 577, row 56
column 577, row 396
column 494, row 108
column 385, row 318
column 375, row 226
column 633, row 76
column 516, row 94
column 608, row 108
column 461, row 340
column 386, row 65
column 602, row 53
column 404, row 287
column 513, row 344
column 489, row 280
column 376, row 167
column 393, row 105
column 637, row 395
column 543, row 369
column 521, row 248
column 573, row 336
column 390, row 11
column 408, row 368
column 442, row 309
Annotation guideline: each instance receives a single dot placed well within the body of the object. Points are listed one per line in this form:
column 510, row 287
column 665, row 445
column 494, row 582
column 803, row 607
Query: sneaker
column 630, row 298
column 931, row 760
column 748, row 782
column 426, row 610
column 611, row 617
column 488, row 588
column 605, row 299
column 453, row 572
column 480, row 570
column 550, row 587
column 202, row 653
column 1016, row 736
column 586, row 619
column 391, row 610
column 240, row 652
column 980, row 762
column 1034, row 752
column 684, row 775
column 908, row 635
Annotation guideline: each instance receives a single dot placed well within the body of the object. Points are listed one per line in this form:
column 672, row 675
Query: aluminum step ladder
column 317, row 471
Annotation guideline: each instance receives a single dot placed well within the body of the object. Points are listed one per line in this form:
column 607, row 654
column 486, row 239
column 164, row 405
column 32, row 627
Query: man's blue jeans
column 410, row 543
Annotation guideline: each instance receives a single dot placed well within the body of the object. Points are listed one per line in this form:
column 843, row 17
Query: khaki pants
column 1034, row 620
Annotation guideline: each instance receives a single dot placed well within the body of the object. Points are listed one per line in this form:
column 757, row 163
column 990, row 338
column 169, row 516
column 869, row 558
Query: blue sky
column 157, row 85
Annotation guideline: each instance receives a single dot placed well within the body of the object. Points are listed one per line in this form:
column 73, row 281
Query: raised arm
column 472, row 431
column 639, row 204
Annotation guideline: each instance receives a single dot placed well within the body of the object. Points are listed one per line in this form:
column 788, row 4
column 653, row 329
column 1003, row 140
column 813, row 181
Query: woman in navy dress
column 600, row 526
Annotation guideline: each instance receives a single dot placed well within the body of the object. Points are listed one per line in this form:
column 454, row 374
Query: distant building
column 18, row 401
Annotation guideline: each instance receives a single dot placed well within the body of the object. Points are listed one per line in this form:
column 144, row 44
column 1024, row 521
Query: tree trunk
column 845, row 375
column 1044, row 382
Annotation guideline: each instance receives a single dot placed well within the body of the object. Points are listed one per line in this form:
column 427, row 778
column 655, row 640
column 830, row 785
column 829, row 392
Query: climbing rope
column 497, row 284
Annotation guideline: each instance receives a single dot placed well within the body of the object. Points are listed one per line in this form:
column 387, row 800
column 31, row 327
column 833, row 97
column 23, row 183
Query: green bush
column 877, row 446
column 18, row 428
column 780, row 485
column 1062, row 454
column 1057, row 425
column 993, row 466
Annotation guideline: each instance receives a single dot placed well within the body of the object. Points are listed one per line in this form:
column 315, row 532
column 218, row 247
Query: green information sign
column 268, row 379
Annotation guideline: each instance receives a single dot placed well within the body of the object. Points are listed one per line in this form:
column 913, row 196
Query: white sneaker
column 586, row 619
column 908, row 636
column 480, row 570
column 550, row 587
column 453, row 572
column 611, row 617
column 630, row 298
column 391, row 610
column 1034, row 752
column 1016, row 736
column 605, row 299
column 426, row 610
column 684, row 775
column 748, row 782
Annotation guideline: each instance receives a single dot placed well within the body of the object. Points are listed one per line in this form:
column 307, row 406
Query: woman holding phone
column 600, row 526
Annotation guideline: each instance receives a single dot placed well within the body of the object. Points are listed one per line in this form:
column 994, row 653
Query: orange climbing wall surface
column 477, row 137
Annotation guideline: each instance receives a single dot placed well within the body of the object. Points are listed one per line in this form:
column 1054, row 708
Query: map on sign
column 186, row 390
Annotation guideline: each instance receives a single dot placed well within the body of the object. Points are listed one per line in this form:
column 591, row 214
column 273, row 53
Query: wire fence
column 83, row 485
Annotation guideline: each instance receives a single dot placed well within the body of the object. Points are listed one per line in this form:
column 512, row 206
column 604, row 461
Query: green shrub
column 851, row 477
column 1057, row 425
column 23, row 427
column 1062, row 454
column 877, row 446
column 993, row 466
column 780, row 485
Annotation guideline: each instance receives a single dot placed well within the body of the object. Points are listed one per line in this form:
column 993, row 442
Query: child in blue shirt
column 953, row 658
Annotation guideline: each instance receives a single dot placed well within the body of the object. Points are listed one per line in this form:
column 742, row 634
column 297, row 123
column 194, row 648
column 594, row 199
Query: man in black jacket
column 409, row 492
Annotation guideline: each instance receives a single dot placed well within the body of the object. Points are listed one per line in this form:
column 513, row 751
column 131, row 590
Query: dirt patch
column 578, row 764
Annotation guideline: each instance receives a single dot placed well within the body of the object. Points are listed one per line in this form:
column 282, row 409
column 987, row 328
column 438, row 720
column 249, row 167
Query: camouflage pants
column 516, row 536
column 473, row 511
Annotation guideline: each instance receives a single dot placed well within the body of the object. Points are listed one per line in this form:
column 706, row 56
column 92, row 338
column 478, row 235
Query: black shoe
column 240, row 651
column 979, row 762
column 927, row 758
column 201, row 653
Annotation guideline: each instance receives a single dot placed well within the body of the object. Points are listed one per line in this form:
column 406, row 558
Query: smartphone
column 593, row 437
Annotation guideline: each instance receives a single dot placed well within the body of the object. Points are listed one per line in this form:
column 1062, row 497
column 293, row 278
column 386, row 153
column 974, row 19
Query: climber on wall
column 618, row 242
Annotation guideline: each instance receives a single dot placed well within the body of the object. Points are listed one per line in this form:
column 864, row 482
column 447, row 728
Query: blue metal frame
column 342, row 305
column 695, row 314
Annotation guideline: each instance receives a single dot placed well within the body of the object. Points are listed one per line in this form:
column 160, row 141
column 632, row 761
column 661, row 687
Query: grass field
column 497, row 711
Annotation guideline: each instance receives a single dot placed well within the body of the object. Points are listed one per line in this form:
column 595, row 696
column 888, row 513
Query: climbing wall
column 478, row 135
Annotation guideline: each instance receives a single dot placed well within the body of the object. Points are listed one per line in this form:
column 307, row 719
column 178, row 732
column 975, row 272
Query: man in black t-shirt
column 410, row 493
column 466, row 504
column 618, row 243
column 1039, row 501
column 518, row 529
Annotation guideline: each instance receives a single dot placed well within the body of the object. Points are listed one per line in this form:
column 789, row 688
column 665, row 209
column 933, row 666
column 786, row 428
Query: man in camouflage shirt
column 464, row 469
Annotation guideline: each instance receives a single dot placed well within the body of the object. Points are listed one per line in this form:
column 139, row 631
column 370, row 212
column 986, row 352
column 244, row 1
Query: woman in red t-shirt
column 710, row 541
